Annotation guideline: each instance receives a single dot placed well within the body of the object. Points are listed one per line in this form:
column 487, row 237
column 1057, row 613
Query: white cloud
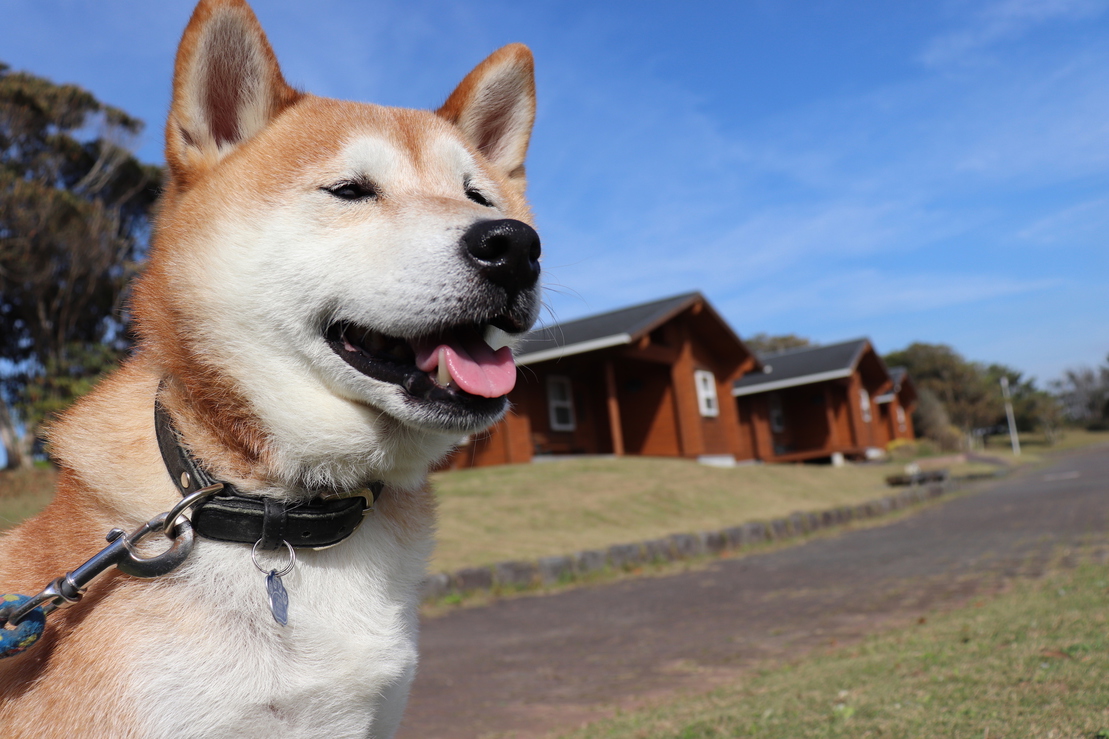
column 1003, row 21
column 1085, row 224
column 850, row 295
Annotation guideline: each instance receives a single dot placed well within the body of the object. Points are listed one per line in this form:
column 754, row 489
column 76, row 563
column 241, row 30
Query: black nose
column 506, row 252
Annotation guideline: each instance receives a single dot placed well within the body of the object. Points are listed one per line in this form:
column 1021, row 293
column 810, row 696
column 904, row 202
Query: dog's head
column 340, row 267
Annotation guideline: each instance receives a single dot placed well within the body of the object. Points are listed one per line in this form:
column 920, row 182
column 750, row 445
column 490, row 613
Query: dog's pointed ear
column 494, row 107
column 227, row 87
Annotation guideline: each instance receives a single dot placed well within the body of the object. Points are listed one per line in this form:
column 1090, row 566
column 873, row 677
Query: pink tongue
column 473, row 365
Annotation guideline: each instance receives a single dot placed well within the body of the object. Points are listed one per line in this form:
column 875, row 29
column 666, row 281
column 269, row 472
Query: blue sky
column 927, row 171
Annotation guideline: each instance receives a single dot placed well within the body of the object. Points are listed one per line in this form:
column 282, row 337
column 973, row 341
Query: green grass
column 23, row 493
column 1033, row 662
column 1034, row 447
column 528, row 511
column 512, row 512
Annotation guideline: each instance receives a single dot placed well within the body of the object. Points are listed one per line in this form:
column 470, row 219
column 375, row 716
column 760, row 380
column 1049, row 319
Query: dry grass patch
column 529, row 511
column 23, row 493
column 1035, row 448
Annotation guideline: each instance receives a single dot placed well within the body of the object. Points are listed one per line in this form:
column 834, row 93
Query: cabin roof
column 612, row 328
column 902, row 386
column 802, row 366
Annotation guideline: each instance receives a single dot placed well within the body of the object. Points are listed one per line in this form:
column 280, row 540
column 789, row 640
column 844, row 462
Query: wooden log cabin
column 816, row 402
column 653, row 379
column 895, row 408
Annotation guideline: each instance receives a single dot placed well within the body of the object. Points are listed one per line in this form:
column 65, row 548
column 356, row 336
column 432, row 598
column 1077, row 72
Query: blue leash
column 17, row 639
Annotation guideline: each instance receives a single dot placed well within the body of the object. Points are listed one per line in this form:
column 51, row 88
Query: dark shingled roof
column 614, row 328
column 801, row 366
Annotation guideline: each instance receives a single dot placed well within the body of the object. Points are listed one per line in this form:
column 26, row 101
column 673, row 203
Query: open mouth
column 462, row 366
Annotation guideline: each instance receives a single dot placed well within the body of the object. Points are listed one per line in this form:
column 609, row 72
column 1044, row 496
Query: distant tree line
column 1084, row 395
column 75, row 209
column 762, row 343
column 960, row 399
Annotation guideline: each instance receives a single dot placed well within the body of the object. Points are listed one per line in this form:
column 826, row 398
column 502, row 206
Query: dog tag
column 279, row 598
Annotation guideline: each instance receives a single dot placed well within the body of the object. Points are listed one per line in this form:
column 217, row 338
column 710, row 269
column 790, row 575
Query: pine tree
column 74, row 220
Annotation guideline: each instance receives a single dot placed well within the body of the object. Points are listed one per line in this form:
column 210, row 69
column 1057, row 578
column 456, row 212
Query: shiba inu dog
column 330, row 303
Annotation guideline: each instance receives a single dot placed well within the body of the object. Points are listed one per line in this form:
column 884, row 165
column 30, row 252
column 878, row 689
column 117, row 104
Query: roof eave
column 765, row 387
column 559, row 352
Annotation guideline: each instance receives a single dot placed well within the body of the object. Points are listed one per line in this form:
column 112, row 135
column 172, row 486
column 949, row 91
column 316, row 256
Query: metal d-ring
column 282, row 573
column 188, row 502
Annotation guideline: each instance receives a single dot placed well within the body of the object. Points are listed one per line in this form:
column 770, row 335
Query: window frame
column 777, row 416
column 555, row 404
column 865, row 406
column 708, row 400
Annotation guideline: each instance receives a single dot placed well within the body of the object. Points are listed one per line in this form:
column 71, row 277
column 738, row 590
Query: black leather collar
column 232, row 516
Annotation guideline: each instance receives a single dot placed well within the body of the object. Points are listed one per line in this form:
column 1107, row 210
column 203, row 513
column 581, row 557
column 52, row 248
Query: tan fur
column 275, row 146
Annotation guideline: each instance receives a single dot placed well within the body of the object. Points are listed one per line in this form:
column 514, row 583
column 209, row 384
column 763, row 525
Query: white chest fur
column 214, row 663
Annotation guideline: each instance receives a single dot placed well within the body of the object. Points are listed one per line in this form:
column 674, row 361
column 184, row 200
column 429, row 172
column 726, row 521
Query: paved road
column 524, row 667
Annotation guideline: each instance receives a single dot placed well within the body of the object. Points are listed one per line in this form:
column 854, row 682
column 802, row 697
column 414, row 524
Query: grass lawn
column 528, row 511
column 1034, row 447
column 511, row 512
column 1033, row 662
column 23, row 493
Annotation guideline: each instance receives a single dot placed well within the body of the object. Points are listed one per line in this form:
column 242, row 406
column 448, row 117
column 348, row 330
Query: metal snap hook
column 160, row 564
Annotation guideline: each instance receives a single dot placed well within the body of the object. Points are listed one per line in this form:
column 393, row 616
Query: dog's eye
column 352, row 190
column 477, row 197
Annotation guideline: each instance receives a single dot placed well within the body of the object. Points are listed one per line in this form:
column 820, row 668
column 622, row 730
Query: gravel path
column 529, row 666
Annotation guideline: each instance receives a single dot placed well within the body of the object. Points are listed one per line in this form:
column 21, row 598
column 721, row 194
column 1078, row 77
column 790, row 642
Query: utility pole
column 1009, row 414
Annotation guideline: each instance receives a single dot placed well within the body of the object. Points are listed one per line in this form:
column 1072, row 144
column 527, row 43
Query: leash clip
column 121, row 553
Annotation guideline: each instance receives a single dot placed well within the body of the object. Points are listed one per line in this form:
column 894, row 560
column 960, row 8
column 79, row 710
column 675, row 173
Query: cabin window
column 777, row 418
column 864, row 404
column 901, row 419
column 706, row 393
column 560, row 403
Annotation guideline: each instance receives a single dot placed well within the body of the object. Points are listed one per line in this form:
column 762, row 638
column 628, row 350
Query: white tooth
column 496, row 338
column 444, row 375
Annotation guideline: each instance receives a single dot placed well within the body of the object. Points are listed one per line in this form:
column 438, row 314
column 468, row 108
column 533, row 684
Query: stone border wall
column 623, row 557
